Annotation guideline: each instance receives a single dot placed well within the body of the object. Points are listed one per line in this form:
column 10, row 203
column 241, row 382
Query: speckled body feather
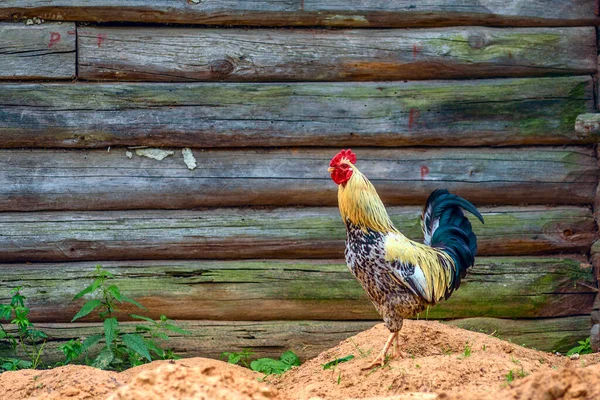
column 366, row 259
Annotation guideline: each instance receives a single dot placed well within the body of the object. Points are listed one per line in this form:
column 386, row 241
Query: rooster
column 402, row 277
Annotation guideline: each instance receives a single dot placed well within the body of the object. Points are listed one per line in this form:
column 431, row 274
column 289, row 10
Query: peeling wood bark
column 100, row 180
column 442, row 113
column 174, row 54
column 38, row 51
column 254, row 233
column 347, row 13
column 524, row 287
column 588, row 124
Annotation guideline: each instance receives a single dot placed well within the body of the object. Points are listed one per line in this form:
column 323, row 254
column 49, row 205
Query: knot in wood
column 476, row 41
column 221, row 67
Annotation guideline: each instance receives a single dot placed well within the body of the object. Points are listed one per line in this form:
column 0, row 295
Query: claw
column 380, row 359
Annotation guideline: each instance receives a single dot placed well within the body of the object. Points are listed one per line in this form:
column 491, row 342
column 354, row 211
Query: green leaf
column 269, row 366
column 95, row 285
column 102, row 273
column 335, row 362
column 161, row 335
column 115, row 292
column 36, row 334
column 175, row 328
column 232, row 358
column 132, row 301
column 136, row 343
column 87, row 308
column 142, row 318
column 289, row 358
column 5, row 311
column 155, row 348
column 110, row 330
column 103, row 359
column 17, row 299
column 90, row 341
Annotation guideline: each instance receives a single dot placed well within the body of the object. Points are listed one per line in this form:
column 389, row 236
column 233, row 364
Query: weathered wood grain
column 101, row 180
column 588, row 123
column 443, row 113
column 309, row 338
column 269, row 233
column 211, row 338
column 359, row 13
column 551, row 334
column 38, row 51
column 184, row 54
column 528, row 287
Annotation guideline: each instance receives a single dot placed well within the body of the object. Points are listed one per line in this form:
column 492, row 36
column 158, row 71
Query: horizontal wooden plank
column 184, row 54
column 300, row 289
column 101, row 180
column 588, row 123
column 265, row 233
column 211, row 338
column 309, row 338
column 441, row 113
column 38, row 51
column 359, row 13
column 551, row 334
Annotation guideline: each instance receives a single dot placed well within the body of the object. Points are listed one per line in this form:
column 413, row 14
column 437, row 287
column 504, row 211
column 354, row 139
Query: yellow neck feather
column 360, row 204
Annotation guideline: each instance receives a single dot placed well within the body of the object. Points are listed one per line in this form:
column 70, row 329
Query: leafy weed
column 269, row 366
column 27, row 338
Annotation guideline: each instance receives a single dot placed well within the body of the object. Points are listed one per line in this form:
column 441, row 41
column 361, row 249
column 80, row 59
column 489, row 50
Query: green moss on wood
column 495, row 287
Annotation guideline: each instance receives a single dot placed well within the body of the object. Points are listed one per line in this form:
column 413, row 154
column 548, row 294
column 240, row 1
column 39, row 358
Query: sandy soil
column 440, row 362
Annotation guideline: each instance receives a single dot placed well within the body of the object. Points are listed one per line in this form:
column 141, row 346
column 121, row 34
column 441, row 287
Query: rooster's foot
column 381, row 359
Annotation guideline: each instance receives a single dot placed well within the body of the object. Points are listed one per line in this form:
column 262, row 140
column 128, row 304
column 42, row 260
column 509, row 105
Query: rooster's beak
column 330, row 169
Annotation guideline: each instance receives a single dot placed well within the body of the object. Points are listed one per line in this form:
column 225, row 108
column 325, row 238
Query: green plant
column 119, row 350
column 158, row 331
column 584, row 347
column 242, row 357
column 510, row 376
column 363, row 354
column 334, row 363
column 467, row 352
column 270, row 366
column 28, row 339
column 72, row 350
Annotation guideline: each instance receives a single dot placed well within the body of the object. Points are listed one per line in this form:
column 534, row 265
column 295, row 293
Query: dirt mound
column 439, row 359
column 566, row 384
column 440, row 362
column 179, row 382
column 75, row 382
column 72, row 382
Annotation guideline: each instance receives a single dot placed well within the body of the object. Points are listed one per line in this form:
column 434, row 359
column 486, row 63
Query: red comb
column 344, row 154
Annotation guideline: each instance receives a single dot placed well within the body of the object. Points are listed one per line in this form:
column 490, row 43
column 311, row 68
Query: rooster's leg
column 381, row 357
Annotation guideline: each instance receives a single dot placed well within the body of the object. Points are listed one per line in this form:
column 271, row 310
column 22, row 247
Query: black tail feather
column 446, row 227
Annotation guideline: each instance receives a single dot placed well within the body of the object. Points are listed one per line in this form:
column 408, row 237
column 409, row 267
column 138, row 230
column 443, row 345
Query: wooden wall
column 246, row 249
